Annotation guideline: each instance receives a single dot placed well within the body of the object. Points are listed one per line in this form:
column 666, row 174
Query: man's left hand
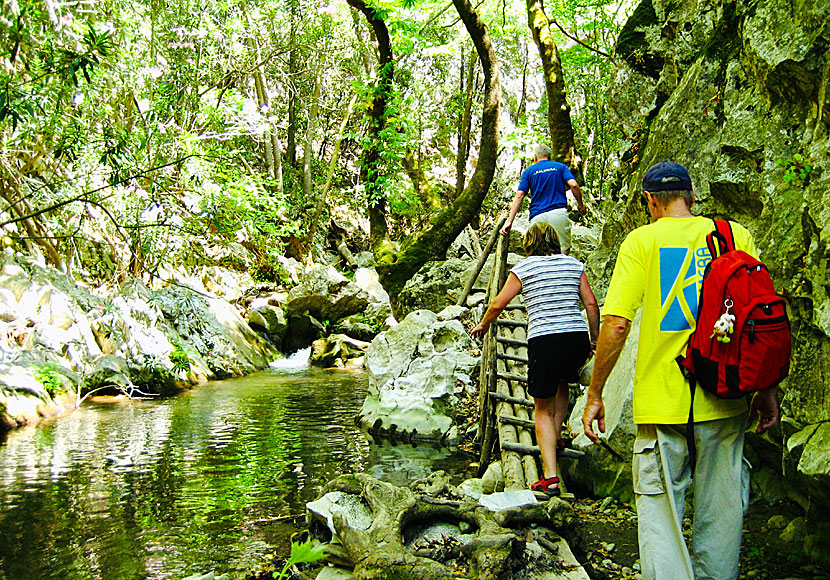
column 582, row 209
column 764, row 406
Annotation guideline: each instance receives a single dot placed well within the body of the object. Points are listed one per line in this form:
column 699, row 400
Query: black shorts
column 554, row 359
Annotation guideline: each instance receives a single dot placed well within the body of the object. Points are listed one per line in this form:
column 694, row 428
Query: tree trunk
column 364, row 51
column 522, row 108
column 559, row 112
column 446, row 226
column 273, row 150
column 371, row 162
column 321, row 199
column 421, row 182
column 291, row 143
column 309, row 136
column 464, row 128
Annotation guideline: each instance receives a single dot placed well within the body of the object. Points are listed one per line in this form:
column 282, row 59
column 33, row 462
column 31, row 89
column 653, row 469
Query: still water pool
column 199, row 482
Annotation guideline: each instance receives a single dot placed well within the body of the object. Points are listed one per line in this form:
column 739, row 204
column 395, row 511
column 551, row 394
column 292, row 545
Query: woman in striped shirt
column 559, row 342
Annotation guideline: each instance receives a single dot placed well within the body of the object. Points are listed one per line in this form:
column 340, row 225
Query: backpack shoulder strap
column 722, row 235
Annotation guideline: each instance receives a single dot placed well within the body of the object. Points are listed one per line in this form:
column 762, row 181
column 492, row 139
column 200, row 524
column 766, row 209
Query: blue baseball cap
column 667, row 176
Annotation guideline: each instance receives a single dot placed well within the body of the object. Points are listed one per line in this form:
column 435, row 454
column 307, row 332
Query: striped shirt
column 550, row 287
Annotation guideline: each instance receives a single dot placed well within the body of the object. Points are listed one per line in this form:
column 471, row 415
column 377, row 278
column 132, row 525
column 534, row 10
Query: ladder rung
column 534, row 450
column 511, row 377
column 511, row 400
column 511, row 323
column 521, row 359
column 515, row 307
column 511, row 341
column 518, row 421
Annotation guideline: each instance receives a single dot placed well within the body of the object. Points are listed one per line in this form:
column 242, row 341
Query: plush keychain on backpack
column 725, row 324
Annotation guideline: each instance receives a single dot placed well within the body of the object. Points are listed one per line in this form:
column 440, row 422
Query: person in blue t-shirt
column 547, row 181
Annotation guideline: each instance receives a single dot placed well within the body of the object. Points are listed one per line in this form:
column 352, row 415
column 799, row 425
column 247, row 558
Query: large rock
column 270, row 320
column 606, row 470
column 335, row 350
column 738, row 94
column 434, row 287
column 303, row 329
column 417, row 371
column 326, row 294
column 368, row 280
column 431, row 531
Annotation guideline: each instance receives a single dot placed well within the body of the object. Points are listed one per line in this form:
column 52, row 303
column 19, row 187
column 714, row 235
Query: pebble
column 752, row 574
column 636, row 566
column 610, row 547
column 607, row 563
column 606, row 502
column 627, row 571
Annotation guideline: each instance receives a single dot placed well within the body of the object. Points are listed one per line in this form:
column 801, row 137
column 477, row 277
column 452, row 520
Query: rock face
column 326, row 294
column 57, row 336
column 737, row 93
column 417, row 372
column 435, row 286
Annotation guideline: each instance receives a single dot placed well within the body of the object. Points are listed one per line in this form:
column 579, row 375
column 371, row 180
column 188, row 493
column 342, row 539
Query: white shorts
column 558, row 218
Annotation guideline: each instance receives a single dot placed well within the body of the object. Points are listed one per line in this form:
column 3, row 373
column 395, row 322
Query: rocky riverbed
column 604, row 541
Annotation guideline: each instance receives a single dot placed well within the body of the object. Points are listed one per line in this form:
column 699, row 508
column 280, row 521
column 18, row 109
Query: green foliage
column 180, row 359
column 49, row 379
column 375, row 325
column 797, row 169
column 151, row 374
column 302, row 553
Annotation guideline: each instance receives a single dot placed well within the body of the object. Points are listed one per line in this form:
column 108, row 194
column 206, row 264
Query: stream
column 203, row 481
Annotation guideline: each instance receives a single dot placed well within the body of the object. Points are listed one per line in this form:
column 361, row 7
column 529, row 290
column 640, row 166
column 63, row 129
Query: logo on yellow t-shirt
column 680, row 278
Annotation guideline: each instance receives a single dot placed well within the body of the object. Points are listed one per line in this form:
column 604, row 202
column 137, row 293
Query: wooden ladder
column 506, row 410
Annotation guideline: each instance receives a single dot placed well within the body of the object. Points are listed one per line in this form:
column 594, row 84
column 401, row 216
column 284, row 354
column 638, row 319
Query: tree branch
column 84, row 196
column 579, row 42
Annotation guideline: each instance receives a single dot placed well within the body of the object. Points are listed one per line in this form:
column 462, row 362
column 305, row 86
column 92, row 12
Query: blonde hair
column 541, row 240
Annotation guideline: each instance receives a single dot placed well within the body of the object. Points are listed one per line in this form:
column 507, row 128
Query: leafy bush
column 181, row 361
column 47, row 376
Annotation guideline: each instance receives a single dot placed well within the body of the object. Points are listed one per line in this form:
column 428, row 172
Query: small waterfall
column 297, row 360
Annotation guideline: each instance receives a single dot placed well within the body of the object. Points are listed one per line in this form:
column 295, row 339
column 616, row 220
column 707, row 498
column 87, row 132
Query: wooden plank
column 515, row 307
column 510, row 323
column 534, row 450
column 519, row 359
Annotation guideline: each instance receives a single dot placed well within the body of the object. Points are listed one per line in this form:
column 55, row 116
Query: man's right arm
column 612, row 335
column 514, row 209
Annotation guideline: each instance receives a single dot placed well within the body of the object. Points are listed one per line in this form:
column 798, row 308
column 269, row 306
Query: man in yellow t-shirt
column 660, row 268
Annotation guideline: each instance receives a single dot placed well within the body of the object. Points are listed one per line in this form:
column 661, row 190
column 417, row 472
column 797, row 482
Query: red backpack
column 742, row 341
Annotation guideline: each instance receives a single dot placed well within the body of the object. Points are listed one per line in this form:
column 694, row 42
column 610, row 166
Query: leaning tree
column 395, row 267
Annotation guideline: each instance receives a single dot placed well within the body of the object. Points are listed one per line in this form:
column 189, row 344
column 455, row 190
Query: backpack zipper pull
column 751, row 330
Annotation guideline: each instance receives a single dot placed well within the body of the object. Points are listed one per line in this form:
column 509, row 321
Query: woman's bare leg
column 546, row 433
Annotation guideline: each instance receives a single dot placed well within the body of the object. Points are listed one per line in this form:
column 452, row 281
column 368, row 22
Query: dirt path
column 606, row 543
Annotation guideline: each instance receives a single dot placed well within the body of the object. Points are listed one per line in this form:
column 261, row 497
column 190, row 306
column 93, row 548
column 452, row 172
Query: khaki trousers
column 662, row 476
column 560, row 221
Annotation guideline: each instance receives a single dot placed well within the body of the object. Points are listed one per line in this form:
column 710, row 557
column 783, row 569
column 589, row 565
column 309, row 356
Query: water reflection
column 165, row 489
